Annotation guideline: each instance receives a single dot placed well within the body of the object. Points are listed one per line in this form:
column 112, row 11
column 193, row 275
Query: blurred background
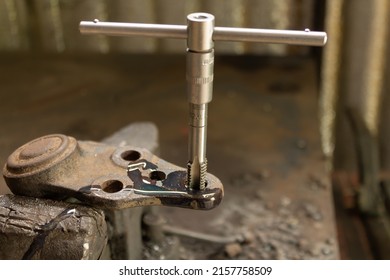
column 331, row 104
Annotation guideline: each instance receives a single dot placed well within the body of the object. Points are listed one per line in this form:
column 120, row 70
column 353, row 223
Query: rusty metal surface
column 57, row 166
column 45, row 229
column 125, row 240
column 277, row 189
column 123, row 233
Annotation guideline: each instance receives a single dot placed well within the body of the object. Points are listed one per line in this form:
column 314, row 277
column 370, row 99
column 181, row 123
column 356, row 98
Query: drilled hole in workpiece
column 112, row 186
column 157, row 175
column 130, row 155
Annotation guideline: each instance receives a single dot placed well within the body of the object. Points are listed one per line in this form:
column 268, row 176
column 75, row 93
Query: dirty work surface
column 263, row 140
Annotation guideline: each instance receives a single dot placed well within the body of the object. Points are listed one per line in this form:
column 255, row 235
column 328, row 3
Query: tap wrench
column 200, row 34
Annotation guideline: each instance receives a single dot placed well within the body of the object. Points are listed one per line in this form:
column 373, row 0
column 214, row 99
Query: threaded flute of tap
column 196, row 175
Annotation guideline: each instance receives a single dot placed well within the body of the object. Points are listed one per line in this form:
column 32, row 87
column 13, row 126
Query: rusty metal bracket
column 108, row 177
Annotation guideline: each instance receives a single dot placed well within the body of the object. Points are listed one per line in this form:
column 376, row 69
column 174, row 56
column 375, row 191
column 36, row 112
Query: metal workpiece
column 103, row 176
column 123, row 243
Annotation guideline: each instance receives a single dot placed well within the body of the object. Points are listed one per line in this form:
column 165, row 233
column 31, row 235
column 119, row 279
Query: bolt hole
column 112, row 186
column 157, row 175
column 130, row 155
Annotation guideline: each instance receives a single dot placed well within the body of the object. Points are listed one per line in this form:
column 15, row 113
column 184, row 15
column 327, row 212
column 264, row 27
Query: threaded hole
column 112, row 186
column 157, row 175
column 131, row 155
